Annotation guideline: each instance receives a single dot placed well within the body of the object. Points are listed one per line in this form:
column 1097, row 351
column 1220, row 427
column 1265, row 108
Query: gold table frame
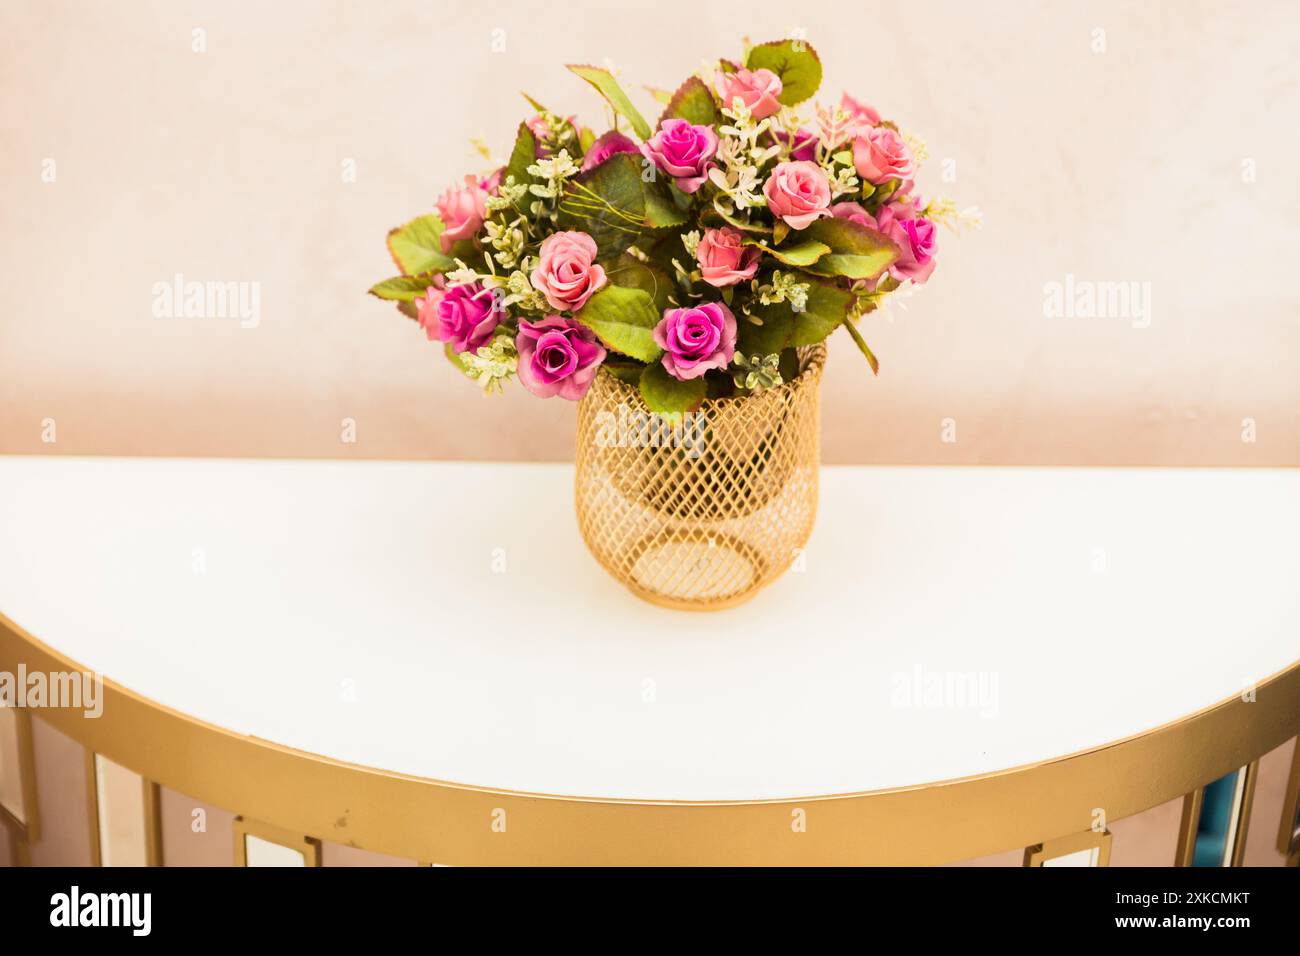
column 458, row 824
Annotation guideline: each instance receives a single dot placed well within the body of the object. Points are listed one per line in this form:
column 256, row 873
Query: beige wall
column 225, row 165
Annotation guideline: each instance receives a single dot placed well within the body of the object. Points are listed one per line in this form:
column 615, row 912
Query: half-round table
column 421, row 659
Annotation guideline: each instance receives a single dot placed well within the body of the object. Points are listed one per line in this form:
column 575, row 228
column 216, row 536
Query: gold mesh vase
column 702, row 512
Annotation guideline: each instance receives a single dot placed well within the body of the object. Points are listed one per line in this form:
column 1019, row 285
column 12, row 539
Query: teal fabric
column 1212, row 830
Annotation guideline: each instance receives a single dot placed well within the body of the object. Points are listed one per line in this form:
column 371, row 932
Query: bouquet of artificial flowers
column 693, row 258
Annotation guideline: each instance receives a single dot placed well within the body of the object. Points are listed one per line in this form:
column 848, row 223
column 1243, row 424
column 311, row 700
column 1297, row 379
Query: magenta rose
column 683, row 151
column 696, row 339
column 464, row 315
column 757, row 89
column 880, row 155
column 913, row 235
column 916, row 239
column 798, row 193
column 611, row 144
column 461, row 210
column 802, row 143
column 724, row 258
column 492, row 181
column 566, row 272
column 557, row 356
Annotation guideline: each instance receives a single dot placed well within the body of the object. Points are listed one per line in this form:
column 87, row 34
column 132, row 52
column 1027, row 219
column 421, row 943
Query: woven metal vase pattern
column 703, row 512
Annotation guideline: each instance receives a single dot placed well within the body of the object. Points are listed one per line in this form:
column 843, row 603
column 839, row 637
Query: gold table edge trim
column 462, row 824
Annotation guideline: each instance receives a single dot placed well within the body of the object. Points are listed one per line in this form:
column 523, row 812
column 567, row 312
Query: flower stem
column 862, row 345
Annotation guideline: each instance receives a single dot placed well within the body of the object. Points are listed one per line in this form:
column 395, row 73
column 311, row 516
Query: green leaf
column 795, row 62
column 629, row 271
column 537, row 107
column 694, row 103
column 856, row 251
column 522, row 156
column 667, row 395
column 402, row 288
column 800, row 254
column 629, row 372
column 826, row 308
column 770, row 337
column 615, row 205
column 624, row 319
column 608, row 87
column 416, row 247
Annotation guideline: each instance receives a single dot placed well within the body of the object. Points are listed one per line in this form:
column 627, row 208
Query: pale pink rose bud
column 880, row 155
column 724, row 258
column 798, row 193
column 853, row 212
column 862, row 113
column 461, row 211
column 757, row 89
column 566, row 271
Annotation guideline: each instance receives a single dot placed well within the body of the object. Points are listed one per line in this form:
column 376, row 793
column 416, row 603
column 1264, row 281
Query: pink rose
column 798, row 193
column 683, row 151
column 557, row 356
column 461, row 211
column 696, row 339
column 757, row 89
column 566, row 272
column 611, row 144
column 464, row 315
column 881, row 155
column 853, row 212
column 724, row 258
column 543, row 134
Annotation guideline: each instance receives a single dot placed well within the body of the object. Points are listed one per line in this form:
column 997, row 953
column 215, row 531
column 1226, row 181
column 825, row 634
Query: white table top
column 352, row 609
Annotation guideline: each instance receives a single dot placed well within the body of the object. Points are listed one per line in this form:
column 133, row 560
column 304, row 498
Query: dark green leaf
column 667, row 395
column 629, row 372
column 694, row 103
column 826, row 308
column 770, row 337
column 629, row 271
column 615, row 205
column 624, row 320
column 856, row 251
column 522, row 156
